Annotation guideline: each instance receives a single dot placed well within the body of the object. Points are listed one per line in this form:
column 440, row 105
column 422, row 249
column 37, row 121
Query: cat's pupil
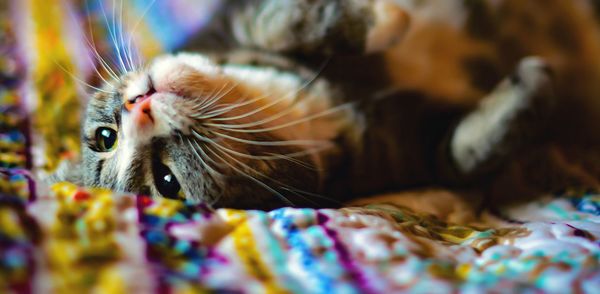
column 166, row 183
column 105, row 139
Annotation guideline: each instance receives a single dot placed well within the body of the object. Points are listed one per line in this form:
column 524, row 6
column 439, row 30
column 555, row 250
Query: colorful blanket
column 69, row 239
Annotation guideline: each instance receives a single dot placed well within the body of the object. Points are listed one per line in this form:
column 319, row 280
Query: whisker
column 313, row 195
column 104, row 64
column 113, row 37
column 216, row 97
column 79, row 80
column 299, row 162
column 299, row 195
column 202, row 162
column 285, row 186
column 283, row 98
column 239, row 127
column 262, row 157
column 76, row 20
column 217, row 112
column 117, row 26
column 132, row 33
column 208, row 158
column 265, row 143
column 257, row 110
column 121, row 32
column 260, row 183
column 92, row 46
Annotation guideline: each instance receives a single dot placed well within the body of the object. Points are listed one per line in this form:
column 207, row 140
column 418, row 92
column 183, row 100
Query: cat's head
column 187, row 128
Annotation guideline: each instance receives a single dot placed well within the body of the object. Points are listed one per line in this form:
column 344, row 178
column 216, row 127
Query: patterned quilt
column 69, row 239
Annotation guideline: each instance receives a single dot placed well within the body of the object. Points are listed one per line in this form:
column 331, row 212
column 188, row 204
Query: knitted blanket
column 69, row 239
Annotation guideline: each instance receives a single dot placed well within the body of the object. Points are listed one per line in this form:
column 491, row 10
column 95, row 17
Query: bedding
column 69, row 239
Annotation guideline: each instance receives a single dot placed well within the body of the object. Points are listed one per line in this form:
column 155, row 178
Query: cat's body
column 306, row 118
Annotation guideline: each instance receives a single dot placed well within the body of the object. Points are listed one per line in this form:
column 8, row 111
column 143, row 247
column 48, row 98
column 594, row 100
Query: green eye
column 106, row 139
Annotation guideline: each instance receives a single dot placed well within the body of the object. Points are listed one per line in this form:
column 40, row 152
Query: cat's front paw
column 509, row 118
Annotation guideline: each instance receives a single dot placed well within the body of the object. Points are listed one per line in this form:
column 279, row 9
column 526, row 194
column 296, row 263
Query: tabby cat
column 314, row 102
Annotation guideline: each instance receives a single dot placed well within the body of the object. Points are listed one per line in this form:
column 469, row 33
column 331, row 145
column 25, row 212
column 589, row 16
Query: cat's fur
column 316, row 109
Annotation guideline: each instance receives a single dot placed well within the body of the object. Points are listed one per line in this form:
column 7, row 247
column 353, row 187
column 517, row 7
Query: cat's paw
column 389, row 26
column 507, row 119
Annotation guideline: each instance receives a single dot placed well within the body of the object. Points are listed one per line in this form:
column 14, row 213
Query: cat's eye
column 106, row 139
column 166, row 182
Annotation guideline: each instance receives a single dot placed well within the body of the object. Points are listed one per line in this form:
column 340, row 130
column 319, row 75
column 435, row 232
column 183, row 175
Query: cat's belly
column 398, row 148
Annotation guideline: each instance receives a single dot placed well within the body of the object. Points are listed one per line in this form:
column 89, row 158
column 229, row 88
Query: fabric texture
column 69, row 239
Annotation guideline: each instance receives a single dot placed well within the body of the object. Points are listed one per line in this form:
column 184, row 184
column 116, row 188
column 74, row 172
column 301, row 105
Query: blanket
column 69, row 239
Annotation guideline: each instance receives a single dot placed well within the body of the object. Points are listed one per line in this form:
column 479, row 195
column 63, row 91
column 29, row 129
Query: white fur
column 139, row 84
column 478, row 134
column 166, row 67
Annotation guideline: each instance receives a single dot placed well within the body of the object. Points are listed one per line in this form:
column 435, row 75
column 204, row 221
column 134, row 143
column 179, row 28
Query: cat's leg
column 507, row 119
column 318, row 26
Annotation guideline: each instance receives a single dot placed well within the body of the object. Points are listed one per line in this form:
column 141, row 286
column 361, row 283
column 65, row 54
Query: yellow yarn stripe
column 248, row 252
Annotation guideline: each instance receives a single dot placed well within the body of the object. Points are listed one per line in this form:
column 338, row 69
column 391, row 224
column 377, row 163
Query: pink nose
column 142, row 112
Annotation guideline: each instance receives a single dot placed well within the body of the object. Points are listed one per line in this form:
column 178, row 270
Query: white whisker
column 276, row 101
column 299, row 195
column 92, row 47
column 265, row 143
column 263, row 157
column 132, row 33
column 260, row 183
column 113, row 37
column 311, row 194
column 121, row 32
column 202, row 162
column 79, row 80
column 215, row 96
column 239, row 127
column 299, row 162
column 217, row 112
column 285, row 186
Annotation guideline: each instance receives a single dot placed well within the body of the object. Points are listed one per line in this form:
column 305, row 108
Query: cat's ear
column 389, row 26
column 319, row 26
column 69, row 170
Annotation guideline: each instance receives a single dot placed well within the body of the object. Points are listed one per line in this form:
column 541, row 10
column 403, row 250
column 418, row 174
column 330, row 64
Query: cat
column 310, row 103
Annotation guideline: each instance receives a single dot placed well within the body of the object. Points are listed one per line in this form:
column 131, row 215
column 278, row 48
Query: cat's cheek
column 169, row 117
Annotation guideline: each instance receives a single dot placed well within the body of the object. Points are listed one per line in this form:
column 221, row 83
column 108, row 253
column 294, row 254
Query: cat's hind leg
column 509, row 118
column 318, row 26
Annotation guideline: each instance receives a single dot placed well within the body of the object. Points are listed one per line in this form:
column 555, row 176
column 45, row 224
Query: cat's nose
column 140, row 107
column 142, row 112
